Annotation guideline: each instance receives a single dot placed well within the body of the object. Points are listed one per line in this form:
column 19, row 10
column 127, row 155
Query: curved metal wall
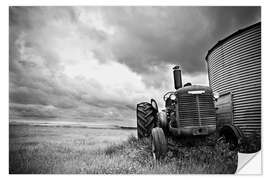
column 234, row 65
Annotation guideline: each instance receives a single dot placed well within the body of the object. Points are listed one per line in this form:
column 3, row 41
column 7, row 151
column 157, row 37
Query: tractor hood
column 194, row 89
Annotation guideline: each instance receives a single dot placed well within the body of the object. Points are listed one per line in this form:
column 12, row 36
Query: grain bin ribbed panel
column 234, row 65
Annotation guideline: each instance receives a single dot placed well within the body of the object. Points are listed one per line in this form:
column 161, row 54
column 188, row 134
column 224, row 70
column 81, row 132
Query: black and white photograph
column 133, row 89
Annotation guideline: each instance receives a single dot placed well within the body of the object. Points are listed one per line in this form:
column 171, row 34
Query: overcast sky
column 97, row 63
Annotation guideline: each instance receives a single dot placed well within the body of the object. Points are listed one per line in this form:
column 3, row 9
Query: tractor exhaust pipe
column 177, row 77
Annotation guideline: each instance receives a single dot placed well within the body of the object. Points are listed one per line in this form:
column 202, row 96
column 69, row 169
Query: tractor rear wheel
column 232, row 134
column 146, row 119
column 159, row 143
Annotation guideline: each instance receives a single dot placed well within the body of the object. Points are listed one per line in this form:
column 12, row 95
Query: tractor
column 189, row 112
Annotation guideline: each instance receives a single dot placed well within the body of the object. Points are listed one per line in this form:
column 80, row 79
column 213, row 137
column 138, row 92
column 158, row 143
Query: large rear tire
column 146, row 119
column 232, row 134
column 159, row 143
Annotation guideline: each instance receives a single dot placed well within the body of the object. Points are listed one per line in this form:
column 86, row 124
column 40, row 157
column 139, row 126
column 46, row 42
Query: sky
column 96, row 63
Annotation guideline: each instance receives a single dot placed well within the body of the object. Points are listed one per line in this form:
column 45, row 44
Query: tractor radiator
column 196, row 110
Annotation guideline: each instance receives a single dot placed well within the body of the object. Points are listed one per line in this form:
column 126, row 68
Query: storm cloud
column 98, row 62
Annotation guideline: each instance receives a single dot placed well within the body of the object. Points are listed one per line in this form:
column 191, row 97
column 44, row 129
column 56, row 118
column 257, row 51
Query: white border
column 139, row 2
column 4, row 73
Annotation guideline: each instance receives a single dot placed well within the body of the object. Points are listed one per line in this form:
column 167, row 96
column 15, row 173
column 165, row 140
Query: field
column 58, row 150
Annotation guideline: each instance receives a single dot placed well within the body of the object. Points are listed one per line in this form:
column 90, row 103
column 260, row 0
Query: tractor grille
column 196, row 110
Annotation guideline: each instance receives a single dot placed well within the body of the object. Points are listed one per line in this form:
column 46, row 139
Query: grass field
column 37, row 149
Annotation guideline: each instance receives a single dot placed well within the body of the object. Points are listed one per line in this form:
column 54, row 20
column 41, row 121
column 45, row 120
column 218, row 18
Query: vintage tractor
column 189, row 112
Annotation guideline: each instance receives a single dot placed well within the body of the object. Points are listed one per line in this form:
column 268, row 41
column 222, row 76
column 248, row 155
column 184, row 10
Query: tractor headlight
column 216, row 95
column 173, row 97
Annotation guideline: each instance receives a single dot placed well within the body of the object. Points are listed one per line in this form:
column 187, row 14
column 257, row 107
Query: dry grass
column 70, row 150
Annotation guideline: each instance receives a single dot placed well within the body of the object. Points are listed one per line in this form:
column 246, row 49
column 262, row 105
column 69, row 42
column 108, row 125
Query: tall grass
column 250, row 143
column 200, row 157
column 32, row 153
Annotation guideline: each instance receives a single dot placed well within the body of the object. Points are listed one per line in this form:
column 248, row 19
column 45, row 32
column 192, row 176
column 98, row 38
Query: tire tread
column 146, row 119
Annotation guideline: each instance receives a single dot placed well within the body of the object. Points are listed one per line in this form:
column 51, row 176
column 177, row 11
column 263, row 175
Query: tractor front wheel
column 159, row 143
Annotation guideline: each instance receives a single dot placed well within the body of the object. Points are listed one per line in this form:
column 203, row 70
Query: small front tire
column 159, row 143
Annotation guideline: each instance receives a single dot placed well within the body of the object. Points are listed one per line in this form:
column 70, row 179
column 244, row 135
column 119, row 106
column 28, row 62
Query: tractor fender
column 162, row 119
column 231, row 133
column 154, row 104
column 231, row 129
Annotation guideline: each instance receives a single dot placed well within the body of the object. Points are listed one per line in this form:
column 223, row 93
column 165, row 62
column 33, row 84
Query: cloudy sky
column 97, row 63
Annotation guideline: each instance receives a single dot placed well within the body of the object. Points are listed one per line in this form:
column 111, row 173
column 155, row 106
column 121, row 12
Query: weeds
column 250, row 144
column 132, row 156
column 200, row 156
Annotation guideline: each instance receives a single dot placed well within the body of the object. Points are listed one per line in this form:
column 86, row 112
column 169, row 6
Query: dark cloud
column 151, row 36
column 133, row 47
column 34, row 111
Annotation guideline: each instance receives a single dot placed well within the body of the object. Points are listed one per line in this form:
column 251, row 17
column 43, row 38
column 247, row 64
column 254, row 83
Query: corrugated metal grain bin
column 234, row 71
